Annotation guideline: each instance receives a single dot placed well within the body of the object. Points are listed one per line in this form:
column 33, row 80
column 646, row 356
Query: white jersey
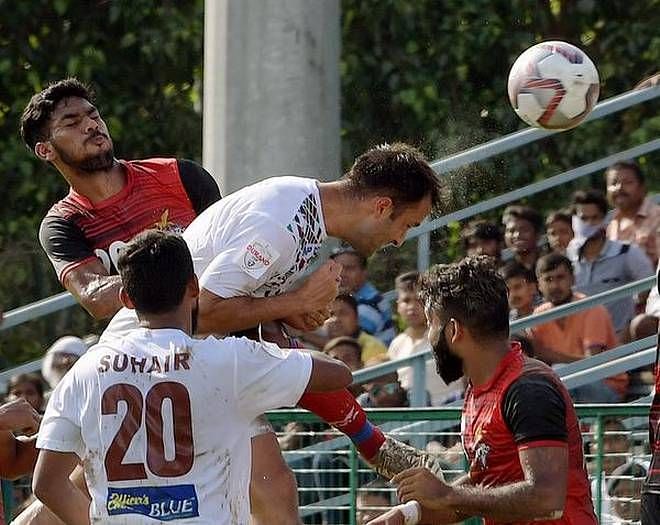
column 160, row 421
column 256, row 241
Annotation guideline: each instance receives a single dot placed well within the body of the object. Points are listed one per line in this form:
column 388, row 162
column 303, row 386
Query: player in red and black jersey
column 110, row 200
column 651, row 489
column 519, row 428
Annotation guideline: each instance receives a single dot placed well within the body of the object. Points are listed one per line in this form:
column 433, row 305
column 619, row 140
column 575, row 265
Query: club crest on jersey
column 257, row 257
column 481, row 455
column 167, row 503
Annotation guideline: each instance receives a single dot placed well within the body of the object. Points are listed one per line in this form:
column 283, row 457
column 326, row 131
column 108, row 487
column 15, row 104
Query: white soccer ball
column 553, row 85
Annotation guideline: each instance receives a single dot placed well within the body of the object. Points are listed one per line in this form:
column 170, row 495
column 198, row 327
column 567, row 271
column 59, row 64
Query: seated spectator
column 523, row 227
column 384, row 392
column 374, row 313
column 559, row 231
column 29, row 387
column 373, row 500
column 482, row 238
column 523, row 291
column 414, row 338
column 636, row 218
column 600, row 264
column 348, row 351
column 343, row 321
column 584, row 333
column 624, row 492
column 60, row 357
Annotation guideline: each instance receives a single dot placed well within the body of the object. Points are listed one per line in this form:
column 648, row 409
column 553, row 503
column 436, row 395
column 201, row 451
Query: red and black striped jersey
column 524, row 405
column 159, row 193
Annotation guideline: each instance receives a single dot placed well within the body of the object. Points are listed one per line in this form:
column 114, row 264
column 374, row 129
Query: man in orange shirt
column 636, row 217
column 579, row 335
column 570, row 338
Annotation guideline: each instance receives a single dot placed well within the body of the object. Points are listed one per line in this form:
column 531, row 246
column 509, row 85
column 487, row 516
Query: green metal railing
column 396, row 420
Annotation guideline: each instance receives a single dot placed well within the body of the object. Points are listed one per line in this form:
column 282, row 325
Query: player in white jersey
column 136, row 410
column 250, row 250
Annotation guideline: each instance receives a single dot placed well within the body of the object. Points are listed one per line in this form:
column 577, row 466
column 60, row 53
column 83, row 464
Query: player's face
column 410, row 308
column 624, row 189
column 556, row 285
column 353, row 275
column 388, row 225
column 520, row 236
column 559, row 235
column 521, row 293
column 79, row 136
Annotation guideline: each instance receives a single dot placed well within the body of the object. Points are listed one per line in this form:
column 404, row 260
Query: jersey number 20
column 158, row 464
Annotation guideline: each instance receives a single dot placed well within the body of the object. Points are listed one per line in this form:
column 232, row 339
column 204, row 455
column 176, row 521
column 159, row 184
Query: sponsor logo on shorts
column 167, row 503
column 257, row 257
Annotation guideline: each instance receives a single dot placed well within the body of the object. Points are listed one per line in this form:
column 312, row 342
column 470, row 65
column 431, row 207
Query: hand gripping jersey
column 159, row 193
column 524, row 405
column 160, row 422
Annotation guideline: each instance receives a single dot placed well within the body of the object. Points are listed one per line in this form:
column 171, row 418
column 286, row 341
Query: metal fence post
column 418, row 393
column 599, row 467
column 423, row 252
column 353, row 483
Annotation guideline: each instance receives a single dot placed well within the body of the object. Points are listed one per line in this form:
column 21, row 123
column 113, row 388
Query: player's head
column 554, row 273
column 353, row 269
column 522, row 228
column 465, row 303
column 395, row 189
column 408, row 305
column 157, row 274
column 626, row 186
column 559, row 230
column 61, row 125
column 482, row 238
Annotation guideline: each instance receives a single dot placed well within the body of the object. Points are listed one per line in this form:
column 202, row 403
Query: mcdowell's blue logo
column 170, row 502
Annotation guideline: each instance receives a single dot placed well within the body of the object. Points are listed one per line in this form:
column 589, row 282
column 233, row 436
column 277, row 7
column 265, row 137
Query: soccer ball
column 553, row 85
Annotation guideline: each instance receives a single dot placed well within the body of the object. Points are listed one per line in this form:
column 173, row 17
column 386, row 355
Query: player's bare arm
column 328, row 374
column 218, row 315
column 54, row 488
column 95, row 289
column 541, row 495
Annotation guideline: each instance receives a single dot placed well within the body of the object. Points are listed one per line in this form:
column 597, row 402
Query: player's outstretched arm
column 95, row 289
column 541, row 495
column 52, row 485
column 218, row 315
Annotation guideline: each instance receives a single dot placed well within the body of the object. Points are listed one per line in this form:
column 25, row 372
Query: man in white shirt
column 136, row 410
column 250, row 250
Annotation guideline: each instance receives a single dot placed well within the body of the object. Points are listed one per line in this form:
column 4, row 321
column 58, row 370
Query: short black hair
column 407, row 281
column 344, row 341
column 590, row 196
column 482, row 230
column 551, row 262
column 559, row 216
column 33, row 378
column 41, row 106
column 398, row 171
column 155, row 269
column 349, row 251
column 349, row 300
column 514, row 268
column 628, row 165
column 470, row 291
column 525, row 213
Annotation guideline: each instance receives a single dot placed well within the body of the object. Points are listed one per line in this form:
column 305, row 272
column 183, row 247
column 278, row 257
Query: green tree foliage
column 427, row 71
column 144, row 60
column 434, row 73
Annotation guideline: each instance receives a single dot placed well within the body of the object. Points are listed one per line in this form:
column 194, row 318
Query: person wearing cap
column 59, row 359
